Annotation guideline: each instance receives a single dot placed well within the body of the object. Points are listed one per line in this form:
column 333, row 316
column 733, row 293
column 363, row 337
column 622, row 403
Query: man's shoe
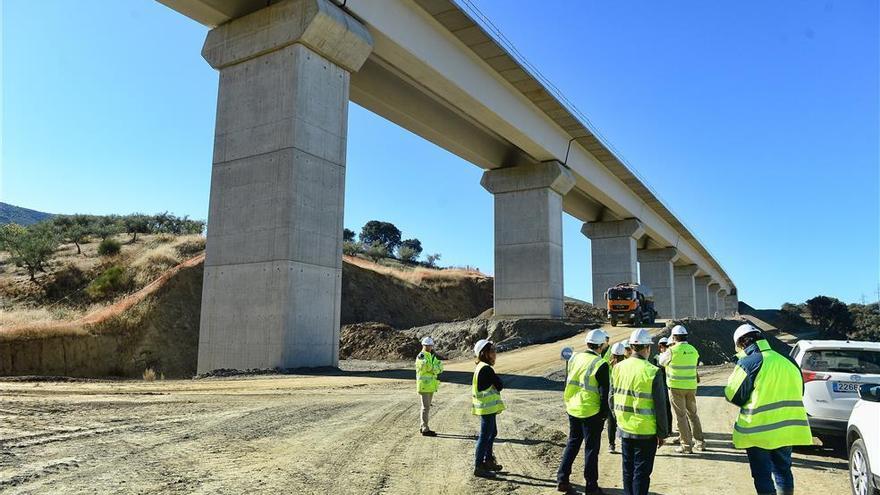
column 612, row 449
column 684, row 450
column 481, row 472
column 492, row 465
column 564, row 487
column 428, row 433
column 674, row 441
column 594, row 491
column 701, row 446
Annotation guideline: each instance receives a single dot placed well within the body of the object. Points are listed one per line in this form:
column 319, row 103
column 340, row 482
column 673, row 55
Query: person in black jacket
column 486, row 403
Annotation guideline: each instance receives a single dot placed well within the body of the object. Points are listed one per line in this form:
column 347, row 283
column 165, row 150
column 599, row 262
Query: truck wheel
column 613, row 323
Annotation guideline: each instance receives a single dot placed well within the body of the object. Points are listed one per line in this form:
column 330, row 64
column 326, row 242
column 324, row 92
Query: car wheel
column 860, row 470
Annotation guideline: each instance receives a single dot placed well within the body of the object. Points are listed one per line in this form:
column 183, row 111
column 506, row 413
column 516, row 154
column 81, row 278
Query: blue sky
column 756, row 122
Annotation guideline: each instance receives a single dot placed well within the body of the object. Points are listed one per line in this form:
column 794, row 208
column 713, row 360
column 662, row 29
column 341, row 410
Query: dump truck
column 630, row 304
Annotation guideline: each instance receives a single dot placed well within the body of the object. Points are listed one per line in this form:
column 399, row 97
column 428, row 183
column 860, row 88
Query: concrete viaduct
column 288, row 69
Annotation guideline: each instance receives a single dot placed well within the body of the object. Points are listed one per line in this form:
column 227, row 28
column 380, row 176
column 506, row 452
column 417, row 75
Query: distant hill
column 21, row 216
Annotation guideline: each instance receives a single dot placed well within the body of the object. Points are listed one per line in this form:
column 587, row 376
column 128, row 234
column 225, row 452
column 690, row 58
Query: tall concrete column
column 722, row 304
column 713, row 299
column 614, row 258
column 733, row 303
column 528, row 238
column 656, row 271
column 685, row 291
column 701, row 285
column 272, row 283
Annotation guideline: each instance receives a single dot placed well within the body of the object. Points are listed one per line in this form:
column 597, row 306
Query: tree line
column 379, row 239
column 32, row 246
column 834, row 319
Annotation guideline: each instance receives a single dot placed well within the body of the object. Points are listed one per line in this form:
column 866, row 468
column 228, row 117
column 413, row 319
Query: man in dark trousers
column 639, row 404
column 586, row 401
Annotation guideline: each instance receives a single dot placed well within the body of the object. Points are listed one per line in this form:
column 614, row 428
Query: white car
column 833, row 370
column 863, row 442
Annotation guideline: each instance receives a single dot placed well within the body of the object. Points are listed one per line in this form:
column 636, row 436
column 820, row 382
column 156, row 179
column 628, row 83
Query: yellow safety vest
column 488, row 401
column 581, row 394
column 775, row 416
column 681, row 372
column 632, row 385
column 427, row 369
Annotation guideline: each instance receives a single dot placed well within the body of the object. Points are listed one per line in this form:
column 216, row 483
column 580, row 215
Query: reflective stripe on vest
column 486, row 401
column 775, row 416
column 581, row 394
column 633, row 381
column 681, row 372
column 427, row 369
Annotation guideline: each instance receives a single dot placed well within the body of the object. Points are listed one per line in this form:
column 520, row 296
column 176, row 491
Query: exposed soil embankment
column 157, row 327
column 714, row 339
column 404, row 299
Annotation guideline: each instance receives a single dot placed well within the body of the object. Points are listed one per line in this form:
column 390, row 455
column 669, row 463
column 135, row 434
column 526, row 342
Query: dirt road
column 356, row 432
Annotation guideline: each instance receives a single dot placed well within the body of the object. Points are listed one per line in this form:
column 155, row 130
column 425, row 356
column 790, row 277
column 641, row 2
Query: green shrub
column 407, row 254
column 112, row 281
column 352, row 248
column 109, row 247
column 376, row 251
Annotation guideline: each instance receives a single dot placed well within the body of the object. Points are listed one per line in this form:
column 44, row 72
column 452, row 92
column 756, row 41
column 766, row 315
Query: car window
column 844, row 361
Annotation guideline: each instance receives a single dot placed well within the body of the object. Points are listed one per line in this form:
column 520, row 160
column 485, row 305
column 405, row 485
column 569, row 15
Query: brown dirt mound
column 714, row 339
column 376, row 341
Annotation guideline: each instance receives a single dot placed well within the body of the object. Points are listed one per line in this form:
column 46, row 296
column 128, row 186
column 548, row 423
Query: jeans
column 488, row 432
column 776, row 462
column 638, row 463
column 612, row 429
column 587, row 431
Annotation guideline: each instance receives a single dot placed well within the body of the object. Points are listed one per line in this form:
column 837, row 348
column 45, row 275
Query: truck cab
column 630, row 304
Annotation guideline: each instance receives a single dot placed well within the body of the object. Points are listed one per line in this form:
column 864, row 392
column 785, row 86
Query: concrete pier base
column 528, row 239
column 614, row 254
column 272, row 284
column 713, row 299
column 701, row 291
column 685, row 291
column 656, row 271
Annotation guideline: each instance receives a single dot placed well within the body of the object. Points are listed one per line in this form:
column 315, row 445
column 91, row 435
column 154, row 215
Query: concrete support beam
column 713, row 299
column 685, row 291
column 272, row 283
column 528, row 238
column 701, row 290
column 733, row 303
column 614, row 254
column 656, row 271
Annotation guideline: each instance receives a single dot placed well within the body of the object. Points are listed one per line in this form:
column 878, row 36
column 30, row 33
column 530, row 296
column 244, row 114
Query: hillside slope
column 158, row 326
column 22, row 216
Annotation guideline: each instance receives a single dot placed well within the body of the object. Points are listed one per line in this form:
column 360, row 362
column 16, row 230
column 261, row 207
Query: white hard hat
column 679, row 330
column 427, row 341
column 663, row 340
column 596, row 336
column 625, row 344
column 480, row 345
column 640, row 336
column 618, row 349
column 743, row 330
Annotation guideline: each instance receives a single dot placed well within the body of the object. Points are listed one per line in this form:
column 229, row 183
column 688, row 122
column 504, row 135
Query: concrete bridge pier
column 732, row 303
column 685, row 291
column 656, row 271
column 272, row 283
column 614, row 254
column 528, row 238
column 722, row 304
column 713, row 299
column 701, row 285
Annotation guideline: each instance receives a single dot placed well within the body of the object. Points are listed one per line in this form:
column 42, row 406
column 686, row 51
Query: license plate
column 845, row 387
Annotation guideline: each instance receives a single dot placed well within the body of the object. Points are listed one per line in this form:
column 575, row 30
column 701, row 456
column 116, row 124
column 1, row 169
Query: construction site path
column 349, row 432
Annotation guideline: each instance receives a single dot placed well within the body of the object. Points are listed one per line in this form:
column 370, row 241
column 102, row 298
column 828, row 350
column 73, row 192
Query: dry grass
column 149, row 375
column 417, row 275
column 152, row 263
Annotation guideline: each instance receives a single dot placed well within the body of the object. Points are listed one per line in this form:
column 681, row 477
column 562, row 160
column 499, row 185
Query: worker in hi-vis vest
column 768, row 388
column 680, row 363
column 428, row 368
column 486, row 403
column 638, row 401
column 617, row 356
column 586, row 402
